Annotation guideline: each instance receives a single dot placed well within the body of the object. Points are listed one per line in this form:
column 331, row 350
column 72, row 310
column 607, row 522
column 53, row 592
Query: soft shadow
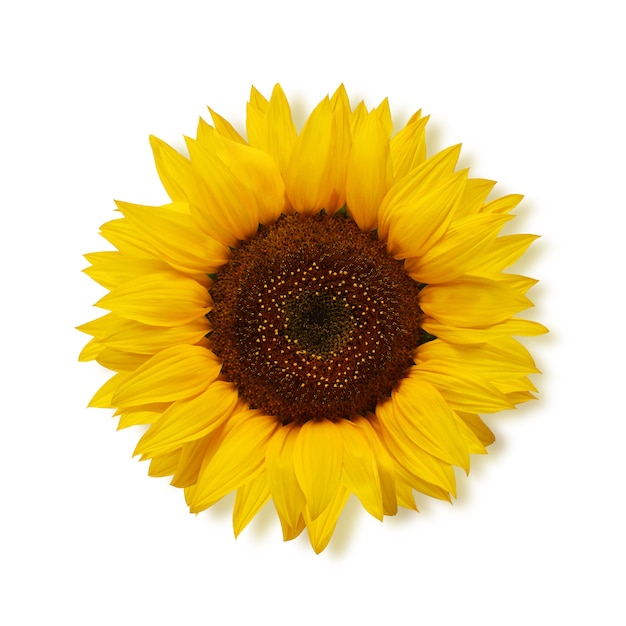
column 434, row 135
column 223, row 508
column 264, row 522
column 300, row 110
column 346, row 529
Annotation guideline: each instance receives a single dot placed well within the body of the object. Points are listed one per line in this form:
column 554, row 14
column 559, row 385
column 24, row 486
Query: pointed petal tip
column 155, row 142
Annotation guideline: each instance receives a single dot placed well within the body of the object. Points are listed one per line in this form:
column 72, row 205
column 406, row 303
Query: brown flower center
column 313, row 319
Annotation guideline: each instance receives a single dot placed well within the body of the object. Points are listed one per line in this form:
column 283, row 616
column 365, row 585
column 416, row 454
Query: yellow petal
column 341, row 146
column 127, row 240
column 291, row 532
column 504, row 204
column 164, row 465
column 258, row 174
column 175, row 373
column 175, row 172
column 151, row 407
column 439, row 166
column 111, row 269
column 203, row 211
column 239, row 457
column 358, row 115
column 471, row 302
column 360, row 472
column 458, row 251
column 317, row 461
column 520, row 396
column 225, row 128
column 474, row 195
column 91, row 350
column 415, row 214
column 369, row 173
column 249, row 500
column 206, row 135
column 196, row 455
column 340, row 99
column 131, row 336
column 103, row 398
column 503, row 252
column 119, row 360
column 177, row 238
column 104, row 326
column 471, row 440
column 513, row 384
column 315, row 176
column 383, row 113
column 512, row 326
column 478, row 427
column 255, row 113
column 384, row 463
column 516, row 282
column 192, row 457
column 408, row 147
column 322, row 526
column 158, row 299
column 414, row 458
column 228, row 202
column 422, row 415
column 406, row 498
column 513, row 354
column 288, row 497
column 502, row 356
column 463, row 390
column 407, row 482
column 137, row 418
column 275, row 132
column 189, row 420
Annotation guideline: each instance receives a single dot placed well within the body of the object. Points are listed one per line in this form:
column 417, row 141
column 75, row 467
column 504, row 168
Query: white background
column 534, row 92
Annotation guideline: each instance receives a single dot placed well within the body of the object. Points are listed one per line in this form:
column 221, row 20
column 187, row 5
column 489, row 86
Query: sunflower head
column 313, row 314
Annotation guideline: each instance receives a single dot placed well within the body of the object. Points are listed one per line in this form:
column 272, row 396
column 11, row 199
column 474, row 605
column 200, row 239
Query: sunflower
column 313, row 315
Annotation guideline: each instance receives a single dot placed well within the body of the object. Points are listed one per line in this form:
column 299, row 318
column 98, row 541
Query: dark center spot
column 319, row 322
column 314, row 320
